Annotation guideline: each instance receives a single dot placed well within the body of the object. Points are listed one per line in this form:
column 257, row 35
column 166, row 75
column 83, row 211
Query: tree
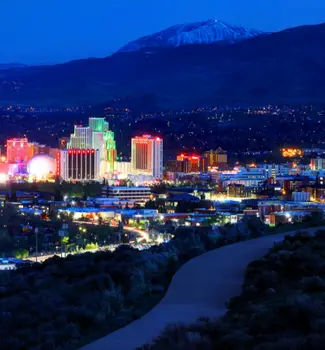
column 91, row 246
column 6, row 242
column 58, row 195
column 21, row 253
column 151, row 205
column 13, row 197
column 316, row 217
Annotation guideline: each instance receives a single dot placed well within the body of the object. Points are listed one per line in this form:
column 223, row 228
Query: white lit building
column 122, row 170
column 138, row 194
column 78, row 165
column 81, row 138
column 251, row 177
column 301, row 196
column 274, row 170
column 317, row 164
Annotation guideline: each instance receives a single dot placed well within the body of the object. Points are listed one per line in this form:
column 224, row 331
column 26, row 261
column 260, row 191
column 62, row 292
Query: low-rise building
column 138, row 194
column 251, row 177
column 301, row 196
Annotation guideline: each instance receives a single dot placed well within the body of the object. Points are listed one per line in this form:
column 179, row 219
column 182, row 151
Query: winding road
column 200, row 288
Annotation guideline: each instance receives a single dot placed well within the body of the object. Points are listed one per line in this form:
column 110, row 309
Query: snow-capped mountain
column 206, row 32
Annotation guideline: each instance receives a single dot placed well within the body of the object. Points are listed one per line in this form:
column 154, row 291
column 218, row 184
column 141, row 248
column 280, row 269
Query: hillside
column 284, row 67
column 281, row 306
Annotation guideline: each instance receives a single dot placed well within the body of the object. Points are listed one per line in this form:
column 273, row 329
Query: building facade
column 216, row 158
column 81, row 138
column 147, row 156
column 78, row 165
column 122, row 169
column 96, row 136
column 190, row 163
column 19, row 151
column 137, row 194
column 317, row 163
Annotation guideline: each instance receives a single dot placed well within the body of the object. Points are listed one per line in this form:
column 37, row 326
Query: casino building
column 96, row 136
column 78, row 164
column 147, row 156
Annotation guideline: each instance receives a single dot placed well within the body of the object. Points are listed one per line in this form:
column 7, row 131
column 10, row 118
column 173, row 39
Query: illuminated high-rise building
column 98, row 124
column 147, row 156
column 18, row 151
column 78, row 164
column 103, row 140
column 96, row 136
column 110, row 146
column 188, row 163
column 81, row 138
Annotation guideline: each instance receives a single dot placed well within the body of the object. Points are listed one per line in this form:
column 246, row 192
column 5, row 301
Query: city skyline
column 46, row 33
column 151, row 154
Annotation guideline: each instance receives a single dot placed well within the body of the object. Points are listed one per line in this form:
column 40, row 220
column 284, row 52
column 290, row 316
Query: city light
column 3, row 178
column 41, row 166
column 142, row 190
column 292, row 152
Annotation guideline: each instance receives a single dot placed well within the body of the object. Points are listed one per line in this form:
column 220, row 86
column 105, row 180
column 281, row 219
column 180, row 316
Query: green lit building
column 96, row 136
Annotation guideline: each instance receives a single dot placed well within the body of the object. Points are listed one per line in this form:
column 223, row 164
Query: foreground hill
column 284, row 67
column 281, row 307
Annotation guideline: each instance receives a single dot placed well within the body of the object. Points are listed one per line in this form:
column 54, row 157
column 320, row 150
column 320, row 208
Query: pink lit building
column 18, row 151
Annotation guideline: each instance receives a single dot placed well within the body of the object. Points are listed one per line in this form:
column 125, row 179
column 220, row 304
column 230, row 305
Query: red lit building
column 186, row 163
column 18, row 151
column 190, row 164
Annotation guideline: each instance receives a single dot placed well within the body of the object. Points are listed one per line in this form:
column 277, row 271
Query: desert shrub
column 313, row 284
column 74, row 297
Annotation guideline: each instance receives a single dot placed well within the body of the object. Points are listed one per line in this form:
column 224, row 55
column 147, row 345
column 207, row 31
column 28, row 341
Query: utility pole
column 62, row 233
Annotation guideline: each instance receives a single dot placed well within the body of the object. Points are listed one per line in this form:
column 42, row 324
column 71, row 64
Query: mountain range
column 286, row 67
column 207, row 32
column 12, row 65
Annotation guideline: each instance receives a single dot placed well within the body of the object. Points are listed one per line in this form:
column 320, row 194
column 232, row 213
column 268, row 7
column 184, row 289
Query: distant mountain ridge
column 286, row 67
column 12, row 65
column 205, row 32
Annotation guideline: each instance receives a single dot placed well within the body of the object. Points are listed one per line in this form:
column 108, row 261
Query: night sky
column 50, row 31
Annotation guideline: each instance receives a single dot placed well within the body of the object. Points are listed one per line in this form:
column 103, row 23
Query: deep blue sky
column 49, row 31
